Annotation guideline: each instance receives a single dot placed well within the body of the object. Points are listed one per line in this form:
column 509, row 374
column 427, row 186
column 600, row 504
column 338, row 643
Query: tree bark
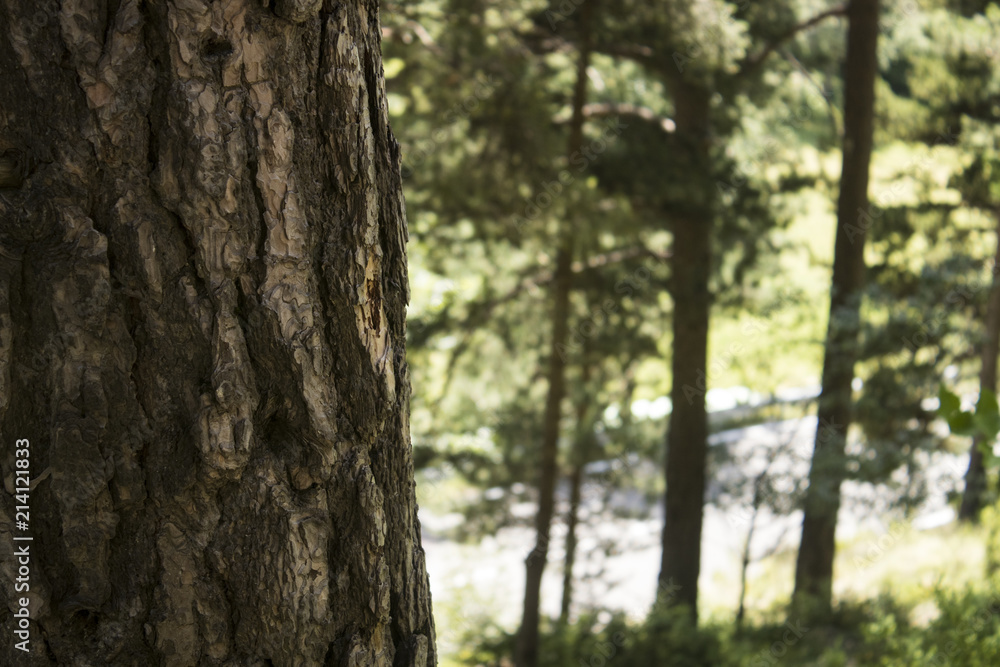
column 814, row 566
column 975, row 478
column 202, row 308
column 687, row 434
column 526, row 649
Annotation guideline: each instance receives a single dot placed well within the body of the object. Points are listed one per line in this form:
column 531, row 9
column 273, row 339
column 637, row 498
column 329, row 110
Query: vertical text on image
column 22, row 552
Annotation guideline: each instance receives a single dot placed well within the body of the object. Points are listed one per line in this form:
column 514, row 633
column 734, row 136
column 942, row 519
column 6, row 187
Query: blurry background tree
column 814, row 567
column 704, row 192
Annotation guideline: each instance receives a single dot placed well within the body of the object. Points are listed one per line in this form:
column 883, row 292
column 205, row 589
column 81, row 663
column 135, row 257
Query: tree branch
column 754, row 61
column 645, row 56
column 834, row 117
column 545, row 42
column 605, row 109
column 637, row 52
column 540, row 42
column 480, row 312
column 580, row 266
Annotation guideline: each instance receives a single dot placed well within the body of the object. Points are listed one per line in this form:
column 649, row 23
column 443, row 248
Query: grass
column 903, row 582
column 922, row 600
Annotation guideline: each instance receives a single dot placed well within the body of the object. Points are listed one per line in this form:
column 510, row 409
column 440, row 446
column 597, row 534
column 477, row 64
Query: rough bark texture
column 687, row 433
column 202, row 293
column 975, row 478
column 526, row 648
column 814, row 567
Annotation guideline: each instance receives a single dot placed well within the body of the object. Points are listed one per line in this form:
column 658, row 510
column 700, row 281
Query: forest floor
column 478, row 585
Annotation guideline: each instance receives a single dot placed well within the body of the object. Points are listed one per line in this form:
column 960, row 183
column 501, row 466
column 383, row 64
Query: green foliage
column 601, row 637
column 982, row 422
column 990, row 519
column 965, row 630
column 669, row 637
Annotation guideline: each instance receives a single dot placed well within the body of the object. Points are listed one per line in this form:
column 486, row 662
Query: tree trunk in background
column 572, row 519
column 814, row 567
column 975, row 477
column 687, row 433
column 527, row 639
column 202, row 294
column 526, row 649
column 579, row 460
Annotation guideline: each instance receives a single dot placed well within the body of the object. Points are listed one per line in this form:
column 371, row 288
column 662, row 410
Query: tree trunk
column 579, row 460
column 744, row 566
column 526, row 649
column 687, row 434
column 975, row 477
column 572, row 519
column 814, row 566
column 202, row 301
column 756, row 502
column 527, row 640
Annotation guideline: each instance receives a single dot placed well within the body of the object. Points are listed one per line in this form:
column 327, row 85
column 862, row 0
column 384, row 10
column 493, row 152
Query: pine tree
column 204, row 278
column 814, row 566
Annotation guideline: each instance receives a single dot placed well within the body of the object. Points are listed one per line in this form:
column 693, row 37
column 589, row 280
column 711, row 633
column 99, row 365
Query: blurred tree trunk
column 202, row 301
column 975, row 477
column 572, row 519
column 687, row 433
column 814, row 566
column 747, row 550
column 527, row 640
column 526, row 649
column 579, row 459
